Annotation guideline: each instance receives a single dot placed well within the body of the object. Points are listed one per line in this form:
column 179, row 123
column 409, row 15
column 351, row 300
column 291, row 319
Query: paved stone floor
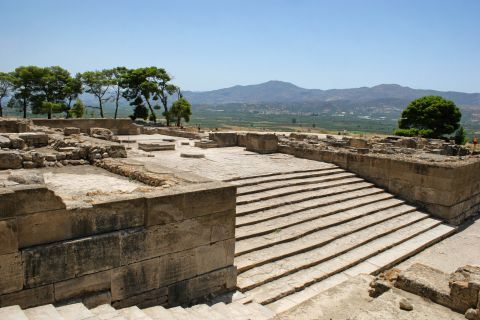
column 219, row 163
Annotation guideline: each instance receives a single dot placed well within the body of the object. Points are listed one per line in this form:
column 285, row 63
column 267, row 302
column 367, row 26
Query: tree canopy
column 429, row 116
column 181, row 109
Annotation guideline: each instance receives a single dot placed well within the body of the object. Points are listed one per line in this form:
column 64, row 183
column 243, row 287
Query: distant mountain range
column 285, row 92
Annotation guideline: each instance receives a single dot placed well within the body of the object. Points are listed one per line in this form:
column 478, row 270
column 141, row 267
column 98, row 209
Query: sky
column 207, row 44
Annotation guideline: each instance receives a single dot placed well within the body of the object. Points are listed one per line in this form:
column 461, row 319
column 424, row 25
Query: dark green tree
column 50, row 90
column 139, row 112
column 25, row 82
column 98, row 84
column 77, row 110
column 460, row 136
column 72, row 90
column 429, row 116
column 181, row 109
column 6, row 87
column 118, row 75
column 149, row 84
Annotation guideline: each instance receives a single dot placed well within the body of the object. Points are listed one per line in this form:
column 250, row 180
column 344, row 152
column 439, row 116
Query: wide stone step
column 335, row 180
column 107, row 312
column 134, row 313
column 253, row 251
column 335, row 203
column 264, row 186
column 203, row 311
column 276, row 269
column 12, row 313
column 275, row 176
column 310, row 215
column 373, row 265
column 45, row 312
column 260, row 312
column 76, row 311
column 277, row 289
column 299, row 197
column 182, row 314
column 223, row 309
column 159, row 313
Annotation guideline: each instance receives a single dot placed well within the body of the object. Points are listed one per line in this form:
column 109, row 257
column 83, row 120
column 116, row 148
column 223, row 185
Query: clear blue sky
column 205, row 44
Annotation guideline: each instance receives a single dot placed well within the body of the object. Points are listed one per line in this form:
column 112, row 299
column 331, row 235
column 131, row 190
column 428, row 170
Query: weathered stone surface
column 97, row 299
column 358, row 143
column 11, row 273
column 405, row 305
column 82, row 286
column 28, row 298
column 10, row 160
column 25, row 177
column 57, row 262
column 156, row 297
column 262, row 143
column 7, row 203
column 156, row 146
column 192, row 154
column 224, row 139
column 101, row 133
column 8, row 236
column 68, row 131
column 4, row 142
column 45, row 199
column 34, row 139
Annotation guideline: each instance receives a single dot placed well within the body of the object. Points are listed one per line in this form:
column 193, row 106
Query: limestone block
column 465, row 286
column 156, row 146
column 215, row 281
column 262, row 142
column 242, row 139
column 4, row 142
column 29, row 297
column 426, row 282
column 34, row 139
column 11, row 273
column 7, row 203
column 224, row 139
column 36, row 198
column 215, row 256
column 8, row 236
column 82, row 286
column 156, row 297
column 111, row 215
column 71, row 130
column 10, row 160
column 66, row 260
column 101, row 133
column 358, row 143
column 189, row 202
column 96, row 299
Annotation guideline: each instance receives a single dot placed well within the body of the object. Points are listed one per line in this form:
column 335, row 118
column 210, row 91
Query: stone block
column 8, row 203
column 262, row 142
column 358, row 143
column 11, row 273
column 96, row 299
column 5, row 142
column 68, row 131
column 29, row 297
column 215, row 256
column 82, row 286
column 10, row 160
column 214, row 282
column 156, row 297
column 242, row 139
column 36, row 198
column 66, row 260
column 8, row 236
column 34, row 139
column 156, row 146
column 224, row 139
column 189, row 202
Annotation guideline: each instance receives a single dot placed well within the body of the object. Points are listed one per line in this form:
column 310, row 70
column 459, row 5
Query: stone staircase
column 302, row 232
column 78, row 311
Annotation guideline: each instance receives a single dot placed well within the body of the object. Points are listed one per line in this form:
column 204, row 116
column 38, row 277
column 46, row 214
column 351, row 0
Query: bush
column 460, row 136
column 140, row 112
column 414, row 132
column 77, row 110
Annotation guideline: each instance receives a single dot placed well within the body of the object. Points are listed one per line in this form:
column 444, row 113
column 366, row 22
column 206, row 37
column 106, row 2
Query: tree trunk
column 101, row 107
column 25, row 108
column 1, row 109
column 49, row 115
column 67, row 113
column 116, row 104
column 151, row 110
column 165, row 107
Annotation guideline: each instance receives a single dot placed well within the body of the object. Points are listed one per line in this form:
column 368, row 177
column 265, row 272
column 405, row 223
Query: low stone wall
column 450, row 191
column 117, row 126
column 169, row 249
column 14, row 125
column 171, row 131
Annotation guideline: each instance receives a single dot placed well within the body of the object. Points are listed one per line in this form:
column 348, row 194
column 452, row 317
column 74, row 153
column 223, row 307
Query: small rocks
column 405, row 305
column 26, row 177
column 472, row 314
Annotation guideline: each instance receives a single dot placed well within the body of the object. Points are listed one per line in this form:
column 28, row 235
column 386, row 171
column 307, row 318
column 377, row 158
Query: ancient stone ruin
column 104, row 219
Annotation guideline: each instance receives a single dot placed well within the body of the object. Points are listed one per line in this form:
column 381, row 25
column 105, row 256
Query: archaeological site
column 113, row 219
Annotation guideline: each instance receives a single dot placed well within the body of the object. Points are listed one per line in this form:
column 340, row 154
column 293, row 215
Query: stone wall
column 172, row 131
column 167, row 248
column 117, row 126
column 450, row 191
column 14, row 125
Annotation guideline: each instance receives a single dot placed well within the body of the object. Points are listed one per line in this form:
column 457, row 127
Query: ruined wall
column 166, row 249
column 117, row 126
column 172, row 131
column 449, row 191
column 14, row 125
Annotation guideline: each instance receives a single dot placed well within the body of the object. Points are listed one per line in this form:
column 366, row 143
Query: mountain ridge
column 275, row 91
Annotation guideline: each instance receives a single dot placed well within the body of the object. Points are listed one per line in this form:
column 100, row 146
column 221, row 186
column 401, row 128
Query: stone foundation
column 117, row 126
column 165, row 248
column 450, row 191
column 262, row 142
